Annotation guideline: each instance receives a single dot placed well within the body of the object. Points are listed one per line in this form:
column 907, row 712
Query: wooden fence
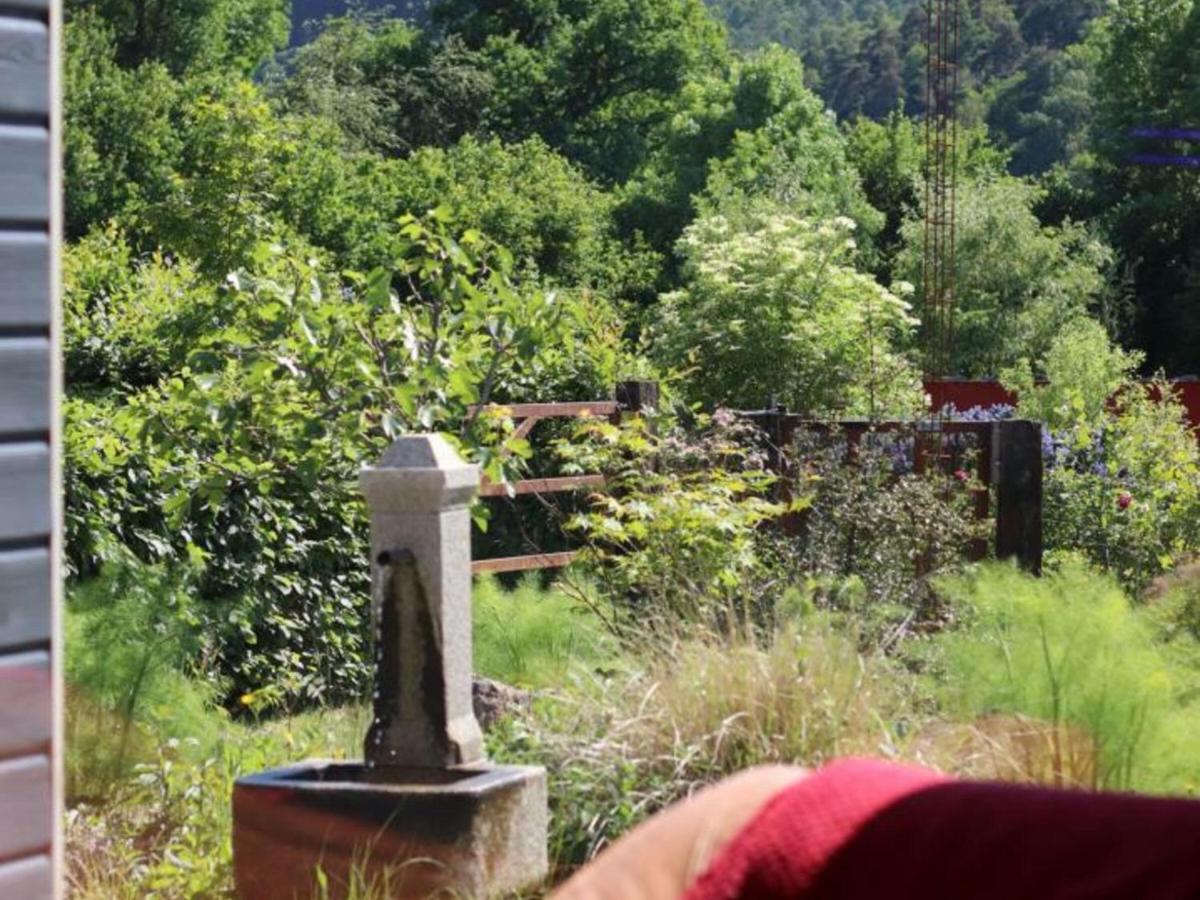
column 1007, row 459
column 631, row 396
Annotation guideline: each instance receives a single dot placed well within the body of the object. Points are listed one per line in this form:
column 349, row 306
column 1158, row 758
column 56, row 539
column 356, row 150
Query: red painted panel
column 964, row 395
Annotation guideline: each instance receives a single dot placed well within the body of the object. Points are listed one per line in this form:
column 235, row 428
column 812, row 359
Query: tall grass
column 1061, row 680
column 1070, row 653
column 533, row 636
column 693, row 710
column 130, row 649
column 152, row 759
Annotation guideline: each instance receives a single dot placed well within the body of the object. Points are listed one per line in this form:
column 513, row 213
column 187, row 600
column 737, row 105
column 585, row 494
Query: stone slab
column 479, row 831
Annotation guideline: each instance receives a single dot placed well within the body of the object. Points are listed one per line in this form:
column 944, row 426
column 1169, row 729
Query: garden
column 282, row 256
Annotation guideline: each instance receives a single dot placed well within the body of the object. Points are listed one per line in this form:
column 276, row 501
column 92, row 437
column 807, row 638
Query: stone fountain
column 424, row 810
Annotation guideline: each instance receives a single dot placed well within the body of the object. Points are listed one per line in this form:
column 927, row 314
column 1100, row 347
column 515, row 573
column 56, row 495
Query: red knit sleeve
column 788, row 843
column 860, row 829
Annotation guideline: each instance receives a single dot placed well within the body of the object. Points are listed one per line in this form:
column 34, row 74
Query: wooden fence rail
column 631, row 396
column 1007, row 460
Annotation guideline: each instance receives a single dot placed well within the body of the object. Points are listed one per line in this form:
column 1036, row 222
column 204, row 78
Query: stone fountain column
column 419, row 498
column 424, row 810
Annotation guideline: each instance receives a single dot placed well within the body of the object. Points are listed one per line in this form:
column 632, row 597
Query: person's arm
column 663, row 857
column 865, row 829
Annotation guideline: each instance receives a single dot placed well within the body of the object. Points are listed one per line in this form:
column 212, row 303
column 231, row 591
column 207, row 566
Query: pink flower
column 1125, row 500
column 962, row 476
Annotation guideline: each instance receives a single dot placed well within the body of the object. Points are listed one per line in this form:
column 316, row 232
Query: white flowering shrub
column 774, row 307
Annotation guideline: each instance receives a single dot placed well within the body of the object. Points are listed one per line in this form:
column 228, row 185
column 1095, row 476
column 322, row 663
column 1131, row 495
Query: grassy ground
column 1040, row 681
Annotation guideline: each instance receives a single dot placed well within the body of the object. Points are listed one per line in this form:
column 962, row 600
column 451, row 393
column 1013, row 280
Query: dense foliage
column 280, row 258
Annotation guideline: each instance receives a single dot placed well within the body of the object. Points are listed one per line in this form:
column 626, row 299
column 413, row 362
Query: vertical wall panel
column 26, row 722
column 30, row 668
column 28, row 879
column 25, row 385
column 24, row 67
column 27, row 823
column 24, row 279
column 24, row 173
column 24, row 491
column 24, row 587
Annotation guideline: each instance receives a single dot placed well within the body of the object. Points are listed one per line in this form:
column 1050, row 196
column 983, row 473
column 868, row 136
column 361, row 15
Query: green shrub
column 674, row 536
column 1123, row 479
column 876, row 530
column 255, row 404
column 1069, row 650
column 774, row 307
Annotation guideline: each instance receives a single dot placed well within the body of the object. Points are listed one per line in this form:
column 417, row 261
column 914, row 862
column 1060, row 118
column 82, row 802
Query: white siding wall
column 28, row 515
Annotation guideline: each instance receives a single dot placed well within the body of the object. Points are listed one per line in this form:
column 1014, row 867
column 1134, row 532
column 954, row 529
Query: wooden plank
column 24, row 597
column 25, row 796
column 24, row 385
column 24, row 491
column 24, row 279
column 542, row 486
column 24, row 67
column 1017, row 458
column 28, row 879
column 526, row 427
column 25, row 174
column 592, row 409
column 26, row 725
column 523, row 563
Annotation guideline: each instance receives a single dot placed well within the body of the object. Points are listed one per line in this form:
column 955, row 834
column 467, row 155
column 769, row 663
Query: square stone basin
column 472, row 831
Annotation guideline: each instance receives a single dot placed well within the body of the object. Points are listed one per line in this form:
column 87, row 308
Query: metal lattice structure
column 941, row 143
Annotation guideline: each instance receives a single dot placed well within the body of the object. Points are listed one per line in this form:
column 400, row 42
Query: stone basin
column 470, row 831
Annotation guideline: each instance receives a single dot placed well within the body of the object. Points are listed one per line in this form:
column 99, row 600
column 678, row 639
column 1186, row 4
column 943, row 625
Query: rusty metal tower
column 941, row 181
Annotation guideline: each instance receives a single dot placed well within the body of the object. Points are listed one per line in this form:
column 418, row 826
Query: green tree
column 753, row 132
column 1019, row 284
column 1148, row 75
column 592, row 78
column 389, row 86
column 230, row 35
column 121, row 143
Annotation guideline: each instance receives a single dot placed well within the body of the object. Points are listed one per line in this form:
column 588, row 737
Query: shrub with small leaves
column 876, row 528
column 675, row 534
column 1123, row 463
